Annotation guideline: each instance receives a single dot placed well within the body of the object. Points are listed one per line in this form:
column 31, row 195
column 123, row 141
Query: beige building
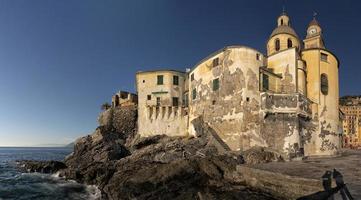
column 351, row 107
column 286, row 99
column 163, row 102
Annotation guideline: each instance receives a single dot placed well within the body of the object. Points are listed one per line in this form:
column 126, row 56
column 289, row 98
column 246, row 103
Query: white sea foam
column 94, row 192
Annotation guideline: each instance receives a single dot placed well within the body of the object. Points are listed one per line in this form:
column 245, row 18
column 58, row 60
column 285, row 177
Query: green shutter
column 160, row 79
column 194, row 94
column 215, row 84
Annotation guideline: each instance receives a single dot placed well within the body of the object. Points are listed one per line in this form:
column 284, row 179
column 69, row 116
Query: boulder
column 256, row 155
column 40, row 166
column 93, row 154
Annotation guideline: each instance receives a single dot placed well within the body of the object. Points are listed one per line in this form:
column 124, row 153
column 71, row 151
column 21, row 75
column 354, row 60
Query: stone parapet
column 286, row 103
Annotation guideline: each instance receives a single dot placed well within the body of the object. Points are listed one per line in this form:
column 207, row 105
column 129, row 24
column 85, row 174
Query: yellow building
column 351, row 107
column 286, row 100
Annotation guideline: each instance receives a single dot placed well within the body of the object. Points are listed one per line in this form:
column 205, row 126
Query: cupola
column 283, row 36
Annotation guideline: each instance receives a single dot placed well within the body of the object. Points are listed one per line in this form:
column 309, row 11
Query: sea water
column 17, row 185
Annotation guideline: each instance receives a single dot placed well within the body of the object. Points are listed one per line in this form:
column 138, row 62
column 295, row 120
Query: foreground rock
column 40, row 166
column 256, row 155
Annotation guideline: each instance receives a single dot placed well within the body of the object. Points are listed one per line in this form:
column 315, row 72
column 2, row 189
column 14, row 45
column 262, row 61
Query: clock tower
column 314, row 37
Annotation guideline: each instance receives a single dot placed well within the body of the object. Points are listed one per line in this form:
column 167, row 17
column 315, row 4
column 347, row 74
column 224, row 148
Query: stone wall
column 232, row 110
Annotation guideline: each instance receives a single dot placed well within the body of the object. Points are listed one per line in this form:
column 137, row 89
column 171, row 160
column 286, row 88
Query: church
column 286, row 100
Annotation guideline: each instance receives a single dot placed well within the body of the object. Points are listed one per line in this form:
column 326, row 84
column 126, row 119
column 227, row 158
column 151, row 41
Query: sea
column 15, row 185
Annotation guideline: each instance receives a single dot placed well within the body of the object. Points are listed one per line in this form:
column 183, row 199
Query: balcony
column 286, row 103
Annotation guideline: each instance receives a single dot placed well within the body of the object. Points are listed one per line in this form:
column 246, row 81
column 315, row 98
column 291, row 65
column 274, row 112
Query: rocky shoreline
column 124, row 166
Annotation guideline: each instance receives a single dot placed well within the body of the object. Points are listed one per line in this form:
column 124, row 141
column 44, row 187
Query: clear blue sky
column 60, row 60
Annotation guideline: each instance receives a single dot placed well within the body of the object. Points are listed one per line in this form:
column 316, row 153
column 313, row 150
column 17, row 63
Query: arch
column 289, row 43
column 324, row 84
column 277, row 44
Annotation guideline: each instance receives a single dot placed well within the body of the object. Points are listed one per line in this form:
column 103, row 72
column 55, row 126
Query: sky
column 60, row 60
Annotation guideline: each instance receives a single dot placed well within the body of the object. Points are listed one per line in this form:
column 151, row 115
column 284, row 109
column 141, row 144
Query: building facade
column 351, row 123
column 286, row 100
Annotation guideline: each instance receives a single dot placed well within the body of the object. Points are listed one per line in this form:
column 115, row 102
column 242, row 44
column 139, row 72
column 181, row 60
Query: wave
column 45, row 186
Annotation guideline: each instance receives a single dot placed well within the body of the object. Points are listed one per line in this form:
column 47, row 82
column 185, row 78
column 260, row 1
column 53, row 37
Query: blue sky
column 60, row 60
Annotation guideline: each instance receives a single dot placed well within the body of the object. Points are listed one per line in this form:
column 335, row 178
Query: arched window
column 277, row 44
column 324, row 84
column 281, row 21
column 289, row 43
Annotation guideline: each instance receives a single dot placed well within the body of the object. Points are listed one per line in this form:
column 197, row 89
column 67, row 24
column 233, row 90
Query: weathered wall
column 232, row 110
column 285, row 63
column 282, row 125
column 163, row 118
column 325, row 140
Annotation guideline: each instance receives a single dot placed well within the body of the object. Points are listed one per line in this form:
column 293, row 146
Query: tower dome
column 283, row 36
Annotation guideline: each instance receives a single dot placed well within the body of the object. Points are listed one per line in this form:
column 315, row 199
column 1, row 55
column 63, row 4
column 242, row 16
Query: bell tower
column 323, row 91
column 314, row 38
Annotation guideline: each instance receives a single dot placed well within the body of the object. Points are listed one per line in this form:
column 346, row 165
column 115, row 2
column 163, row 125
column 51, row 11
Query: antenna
column 283, row 6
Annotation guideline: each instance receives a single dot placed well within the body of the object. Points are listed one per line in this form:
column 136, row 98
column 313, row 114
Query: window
column 265, row 82
column 160, row 80
column 215, row 62
column 324, row 84
column 289, row 43
column 192, row 77
column 258, row 57
column 194, row 94
column 277, row 44
column 185, row 99
column 175, row 101
column 215, row 84
column 175, row 80
column 281, row 21
column 324, row 57
column 149, row 97
column 158, row 101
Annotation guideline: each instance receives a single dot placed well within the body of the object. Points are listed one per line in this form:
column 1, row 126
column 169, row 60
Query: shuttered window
column 160, row 79
column 215, row 84
column 324, row 84
column 194, row 94
column 175, row 80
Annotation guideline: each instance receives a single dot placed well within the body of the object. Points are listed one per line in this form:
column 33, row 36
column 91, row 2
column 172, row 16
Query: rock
column 192, row 178
column 40, row 166
column 256, row 155
column 94, row 154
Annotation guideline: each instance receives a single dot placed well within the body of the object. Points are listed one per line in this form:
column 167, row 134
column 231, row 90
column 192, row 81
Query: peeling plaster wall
column 285, row 63
column 233, row 110
column 285, row 117
column 281, row 132
column 165, row 118
column 325, row 140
